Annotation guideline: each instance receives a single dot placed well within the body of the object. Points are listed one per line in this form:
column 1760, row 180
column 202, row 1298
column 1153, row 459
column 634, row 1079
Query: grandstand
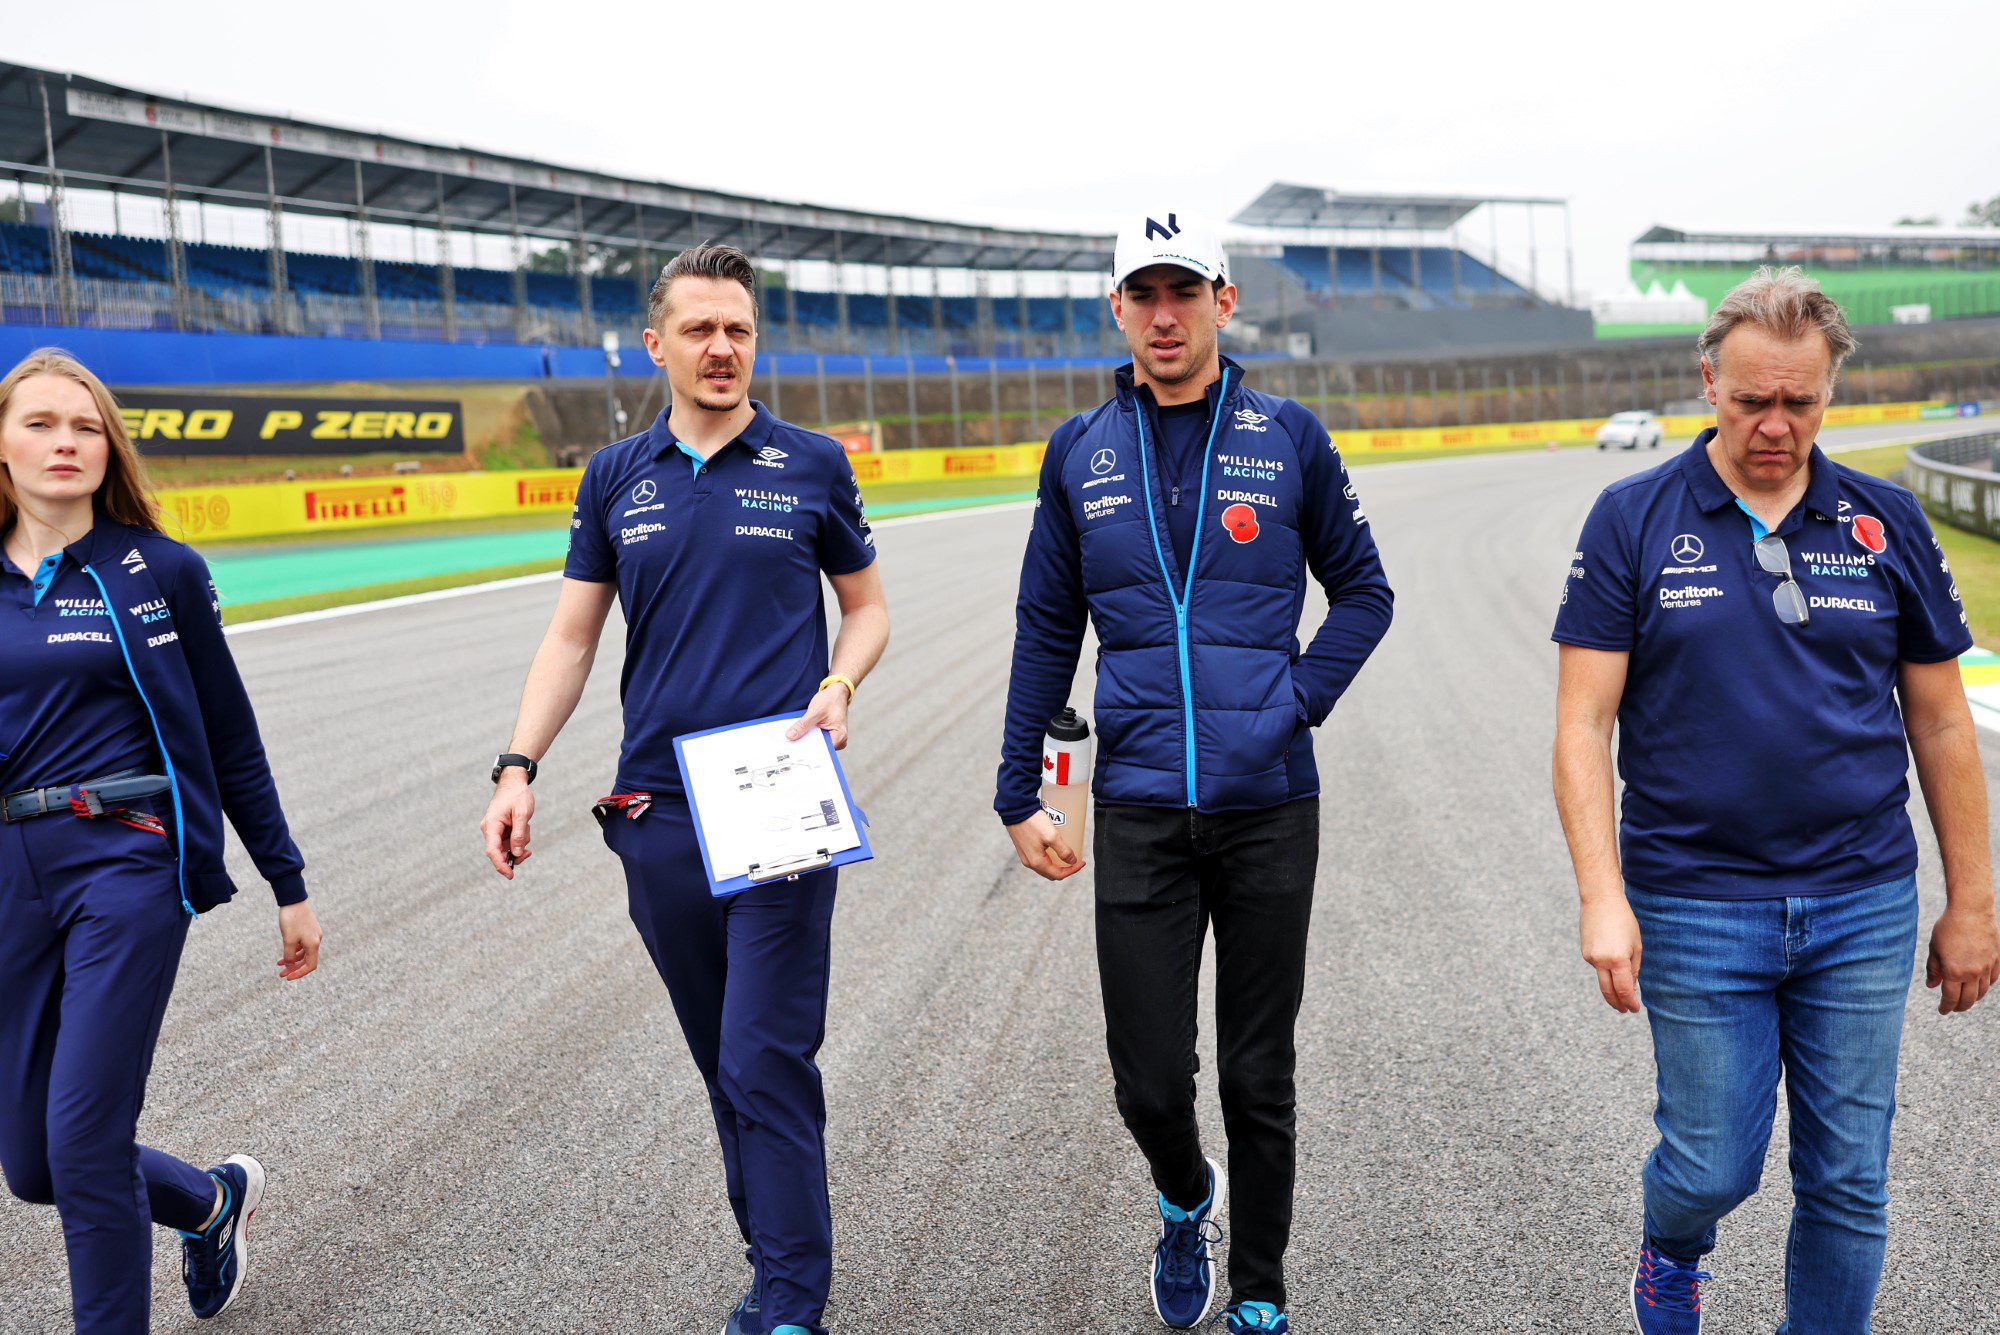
column 116, row 190
column 1326, row 273
column 1901, row 275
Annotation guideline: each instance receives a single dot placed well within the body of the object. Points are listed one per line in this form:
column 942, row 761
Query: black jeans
column 1163, row 875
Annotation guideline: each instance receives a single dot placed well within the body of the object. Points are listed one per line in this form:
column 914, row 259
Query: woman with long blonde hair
column 125, row 737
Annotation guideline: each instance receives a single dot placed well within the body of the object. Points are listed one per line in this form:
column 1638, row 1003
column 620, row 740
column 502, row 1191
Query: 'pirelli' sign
column 228, row 424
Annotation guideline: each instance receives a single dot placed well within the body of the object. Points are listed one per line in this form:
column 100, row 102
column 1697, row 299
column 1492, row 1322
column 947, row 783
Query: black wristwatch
column 503, row 761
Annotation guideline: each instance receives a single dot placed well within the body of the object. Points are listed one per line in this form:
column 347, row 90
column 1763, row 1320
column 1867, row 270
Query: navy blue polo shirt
column 718, row 572
column 68, row 708
column 1761, row 760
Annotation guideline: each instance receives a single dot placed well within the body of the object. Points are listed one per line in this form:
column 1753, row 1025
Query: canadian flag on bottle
column 1066, row 775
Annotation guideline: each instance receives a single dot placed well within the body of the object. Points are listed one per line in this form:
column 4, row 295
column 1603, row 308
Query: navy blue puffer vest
column 1194, row 702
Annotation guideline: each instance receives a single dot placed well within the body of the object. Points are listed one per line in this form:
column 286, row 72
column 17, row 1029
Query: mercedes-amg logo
column 643, row 493
column 1687, row 549
column 1103, row 462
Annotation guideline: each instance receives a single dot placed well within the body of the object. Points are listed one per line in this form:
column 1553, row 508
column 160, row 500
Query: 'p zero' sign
column 162, row 422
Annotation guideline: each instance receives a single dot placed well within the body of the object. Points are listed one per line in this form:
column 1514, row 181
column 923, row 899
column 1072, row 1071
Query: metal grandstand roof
column 1965, row 238
column 1309, row 206
column 103, row 136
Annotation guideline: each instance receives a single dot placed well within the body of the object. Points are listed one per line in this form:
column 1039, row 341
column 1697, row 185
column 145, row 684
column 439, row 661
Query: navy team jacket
column 168, row 621
column 1203, row 698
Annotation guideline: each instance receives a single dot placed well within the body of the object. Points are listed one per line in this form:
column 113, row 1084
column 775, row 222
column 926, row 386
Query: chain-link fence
column 981, row 403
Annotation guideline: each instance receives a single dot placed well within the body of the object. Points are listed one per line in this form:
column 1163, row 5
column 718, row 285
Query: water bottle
column 1066, row 776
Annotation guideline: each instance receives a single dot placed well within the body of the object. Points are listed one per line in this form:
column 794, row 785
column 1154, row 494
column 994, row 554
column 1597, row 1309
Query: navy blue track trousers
column 747, row 975
column 91, row 930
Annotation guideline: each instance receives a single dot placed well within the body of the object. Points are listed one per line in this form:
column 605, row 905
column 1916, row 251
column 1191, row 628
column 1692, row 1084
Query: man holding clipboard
column 712, row 528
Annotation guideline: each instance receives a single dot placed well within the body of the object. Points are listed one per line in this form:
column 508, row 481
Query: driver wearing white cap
column 1187, row 518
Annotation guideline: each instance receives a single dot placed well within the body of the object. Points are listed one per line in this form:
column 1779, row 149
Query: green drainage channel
column 263, row 574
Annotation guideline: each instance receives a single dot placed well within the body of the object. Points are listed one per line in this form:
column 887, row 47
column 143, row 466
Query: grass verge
column 315, row 602
column 444, row 528
column 194, row 470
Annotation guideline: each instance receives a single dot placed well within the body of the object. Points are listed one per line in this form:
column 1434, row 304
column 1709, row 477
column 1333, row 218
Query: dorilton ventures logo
column 356, row 504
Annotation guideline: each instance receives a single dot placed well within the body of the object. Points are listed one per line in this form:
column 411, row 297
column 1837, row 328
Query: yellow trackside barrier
column 1001, row 461
column 270, row 509
column 273, row 509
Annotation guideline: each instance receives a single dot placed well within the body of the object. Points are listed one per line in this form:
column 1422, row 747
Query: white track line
column 384, row 604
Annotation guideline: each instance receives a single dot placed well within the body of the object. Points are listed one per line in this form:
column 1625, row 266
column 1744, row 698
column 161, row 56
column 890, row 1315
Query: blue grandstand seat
column 870, row 310
column 1422, row 277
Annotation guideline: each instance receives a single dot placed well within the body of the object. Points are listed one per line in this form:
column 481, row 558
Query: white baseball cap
column 1167, row 238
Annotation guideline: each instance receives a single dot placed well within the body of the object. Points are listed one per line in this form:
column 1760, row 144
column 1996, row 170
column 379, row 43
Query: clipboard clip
column 788, row 869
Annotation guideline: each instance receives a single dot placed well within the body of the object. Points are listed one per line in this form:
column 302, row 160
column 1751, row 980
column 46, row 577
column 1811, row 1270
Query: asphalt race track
column 479, row 1115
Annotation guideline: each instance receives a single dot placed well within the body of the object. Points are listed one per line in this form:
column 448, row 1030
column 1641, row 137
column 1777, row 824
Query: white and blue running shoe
column 215, row 1260
column 1183, row 1272
column 1255, row 1318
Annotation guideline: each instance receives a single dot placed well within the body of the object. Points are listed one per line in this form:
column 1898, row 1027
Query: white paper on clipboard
column 764, row 801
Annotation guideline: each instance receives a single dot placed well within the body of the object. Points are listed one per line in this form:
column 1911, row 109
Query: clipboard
column 814, row 750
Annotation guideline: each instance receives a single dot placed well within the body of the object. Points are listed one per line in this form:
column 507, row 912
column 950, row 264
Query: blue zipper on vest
column 173, row 780
column 1181, row 600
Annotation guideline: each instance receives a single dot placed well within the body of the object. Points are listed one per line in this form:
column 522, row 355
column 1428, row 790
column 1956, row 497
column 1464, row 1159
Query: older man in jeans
column 1750, row 614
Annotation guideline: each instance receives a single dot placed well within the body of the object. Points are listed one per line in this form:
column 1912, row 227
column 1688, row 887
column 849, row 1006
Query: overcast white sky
column 1758, row 113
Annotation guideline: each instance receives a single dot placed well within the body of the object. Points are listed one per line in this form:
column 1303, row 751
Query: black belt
column 92, row 797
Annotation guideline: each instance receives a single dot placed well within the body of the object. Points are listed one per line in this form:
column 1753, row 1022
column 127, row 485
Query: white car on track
column 1637, row 430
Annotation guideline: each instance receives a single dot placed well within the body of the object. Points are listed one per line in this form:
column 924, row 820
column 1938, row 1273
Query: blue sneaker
column 789, row 1329
column 1666, row 1294
column 1183, row 1269
column 748, row 1318
column 1245, row 1318
column 214, row 1261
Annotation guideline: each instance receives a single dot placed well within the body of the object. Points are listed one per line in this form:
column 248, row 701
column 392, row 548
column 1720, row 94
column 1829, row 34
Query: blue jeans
column 1736, row 991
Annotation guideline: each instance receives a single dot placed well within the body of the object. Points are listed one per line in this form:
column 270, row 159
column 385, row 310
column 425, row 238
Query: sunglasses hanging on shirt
column 1788, row 597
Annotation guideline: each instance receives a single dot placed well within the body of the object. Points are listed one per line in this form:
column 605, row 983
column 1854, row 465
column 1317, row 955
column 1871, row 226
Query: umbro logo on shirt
column 133, row 561
column 1250, row 420
column 770, row 457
